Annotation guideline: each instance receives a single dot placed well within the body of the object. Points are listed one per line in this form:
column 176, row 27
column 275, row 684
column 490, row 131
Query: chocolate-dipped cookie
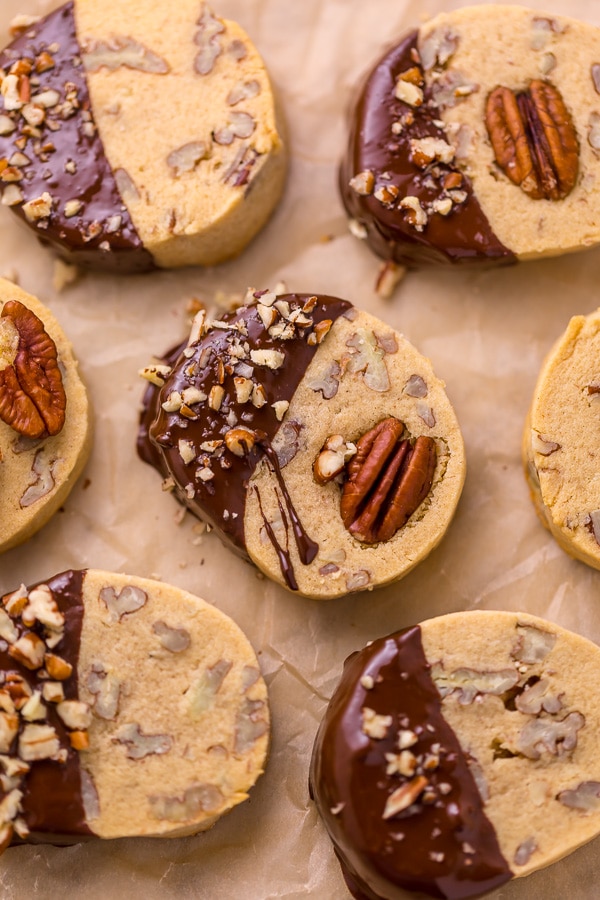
column 559, row 440
column 458, row 754
column 476, row 139
column 45, row 418
column 313, row 437
column 131, row 137
column 127, row 707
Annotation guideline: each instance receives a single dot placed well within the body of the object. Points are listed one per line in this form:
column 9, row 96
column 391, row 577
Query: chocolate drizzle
column 307, row 548
column 283, row 553
column 462, row 236
column 223, row 354
column 446, row 848
column 66, row 155
column 52, row 800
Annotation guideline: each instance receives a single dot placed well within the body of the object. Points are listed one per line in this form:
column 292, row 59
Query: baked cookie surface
column 129, row 708
column 313, row 437
column 45, row 417
column 476, row 139
column 460, row 753
column 132, row 138
column 559, row 440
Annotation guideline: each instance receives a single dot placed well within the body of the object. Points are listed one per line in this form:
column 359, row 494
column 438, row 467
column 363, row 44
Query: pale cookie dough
column 477, row 139
column 560, row 440
column 313, row 437
column 40, row 461
column 460, row 753
column 129, row 708
column 136, row 134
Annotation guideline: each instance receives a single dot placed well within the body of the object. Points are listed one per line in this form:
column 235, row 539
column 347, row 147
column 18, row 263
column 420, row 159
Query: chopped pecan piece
column 140, row 745
column 585, row 797
column 404, row 796
column 388, row 479
column 32, row 396
column 534, row 139
column 551, row 736
column 122, row 50
column 331, row 460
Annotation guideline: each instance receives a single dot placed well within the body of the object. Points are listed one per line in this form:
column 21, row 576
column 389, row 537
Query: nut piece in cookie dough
column 45, row 419
column 479, row 136
column 458, row 754
column 559, row 440
column 317, row 441
column 156, row 731
column 132, row 138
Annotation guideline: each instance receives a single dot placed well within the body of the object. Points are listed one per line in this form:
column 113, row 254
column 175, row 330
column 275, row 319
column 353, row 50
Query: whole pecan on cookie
column 32, row 396
column 388, row 479
column 534, row 139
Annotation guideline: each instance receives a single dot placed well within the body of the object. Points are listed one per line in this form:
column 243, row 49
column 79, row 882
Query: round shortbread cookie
column 129, row 708
column 460, row 753
column 477, row 138
column 45, row 424
column 132, row 137
column 313, row 437
column 559, row 440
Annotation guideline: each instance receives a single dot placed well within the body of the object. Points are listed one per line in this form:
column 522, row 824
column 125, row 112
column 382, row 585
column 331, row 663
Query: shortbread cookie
column 476, row 139
column 559, row 440
column 313, row 437
column 134, row 136
column 45, row 425
column 460, row 753
column 128, row 707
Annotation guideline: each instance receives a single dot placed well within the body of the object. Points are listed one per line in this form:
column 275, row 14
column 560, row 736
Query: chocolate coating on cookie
column 395, row 829
column 443, row 221
column 85, row 157
column 52, row 802
column 56, row 176
column 317, row 440
column 235, row 361
column 83, row 751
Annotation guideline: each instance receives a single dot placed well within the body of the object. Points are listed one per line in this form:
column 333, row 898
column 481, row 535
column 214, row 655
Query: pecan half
column 534, row 139
column 32, row 396
column 388, row 479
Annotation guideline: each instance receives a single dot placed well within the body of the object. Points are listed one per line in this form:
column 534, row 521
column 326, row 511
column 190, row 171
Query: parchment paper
column 486, row 333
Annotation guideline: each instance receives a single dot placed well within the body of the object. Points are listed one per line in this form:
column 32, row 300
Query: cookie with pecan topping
column 132, row 138
column 458, row 754
column 559, row 440
column 476, row 140
column 127, row 707
column 45, row 419
column 314, row 438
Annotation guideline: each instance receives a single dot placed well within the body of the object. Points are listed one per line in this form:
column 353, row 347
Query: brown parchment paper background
column 486, row 333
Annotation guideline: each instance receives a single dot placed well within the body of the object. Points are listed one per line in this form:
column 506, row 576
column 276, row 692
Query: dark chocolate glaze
column 221, row 501
column 446, row 849
column 82, row 239
column 463, row 236
column 52, row 799
column 147, row 451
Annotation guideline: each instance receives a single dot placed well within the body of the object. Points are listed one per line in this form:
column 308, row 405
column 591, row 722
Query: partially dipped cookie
column 458, row 754
column 127, row 707
column 45, row 417
column 314, row 438
column 131, row 137
column 475, row 140
column 559, row 440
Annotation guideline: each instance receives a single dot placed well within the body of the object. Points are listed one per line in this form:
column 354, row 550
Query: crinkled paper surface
column 486, row 333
